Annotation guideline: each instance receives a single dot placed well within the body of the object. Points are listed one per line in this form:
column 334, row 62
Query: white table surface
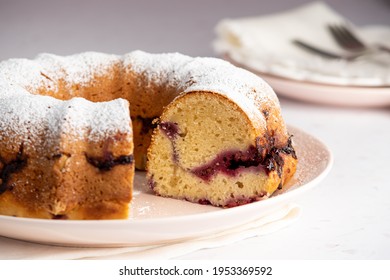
column 347, row 216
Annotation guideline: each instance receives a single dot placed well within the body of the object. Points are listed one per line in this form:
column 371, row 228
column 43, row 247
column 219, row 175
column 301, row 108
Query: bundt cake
column 207, row 131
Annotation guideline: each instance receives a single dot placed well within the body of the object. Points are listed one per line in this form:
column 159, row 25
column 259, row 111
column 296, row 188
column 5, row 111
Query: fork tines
column 345, row 38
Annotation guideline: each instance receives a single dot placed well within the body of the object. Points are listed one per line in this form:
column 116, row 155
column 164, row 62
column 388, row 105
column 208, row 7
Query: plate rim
column 329, row 94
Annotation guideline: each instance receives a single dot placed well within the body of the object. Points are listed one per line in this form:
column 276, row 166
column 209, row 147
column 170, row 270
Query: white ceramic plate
column 329, row 94
column 156, row 220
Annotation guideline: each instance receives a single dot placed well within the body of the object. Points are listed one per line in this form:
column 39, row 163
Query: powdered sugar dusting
column 159, row 69
column 82, row 68
column 189, row 74
column 79, row 69
column 27, row 115
column 25, row 73
column 200, row 73
column 246, row 89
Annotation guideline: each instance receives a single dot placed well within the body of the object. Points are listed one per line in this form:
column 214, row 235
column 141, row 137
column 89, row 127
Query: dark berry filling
column 147, row 124
column 288, row 149
column 11, row 167
column 229, row 163
column 171, row 130
column 266, row 158
column 242, row 201
column 108, row 161
column 232, row 162
column 56, row 156
column 151, row 183
column 59, row 217
column 204, row 201
column 274, row 161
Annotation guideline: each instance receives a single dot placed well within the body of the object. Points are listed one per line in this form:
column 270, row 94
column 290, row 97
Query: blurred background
column 118, row 26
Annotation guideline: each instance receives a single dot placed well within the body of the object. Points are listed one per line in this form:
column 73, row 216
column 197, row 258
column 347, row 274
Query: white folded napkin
column 264, row 44
column 15, row 249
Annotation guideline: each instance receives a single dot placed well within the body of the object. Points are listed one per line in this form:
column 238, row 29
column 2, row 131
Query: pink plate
column 156, row 220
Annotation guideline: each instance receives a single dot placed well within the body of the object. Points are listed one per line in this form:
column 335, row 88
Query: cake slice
column 207, row 149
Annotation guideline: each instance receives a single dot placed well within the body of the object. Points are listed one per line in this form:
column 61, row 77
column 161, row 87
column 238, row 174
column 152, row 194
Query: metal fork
column 349, row 41
column 324, row 53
